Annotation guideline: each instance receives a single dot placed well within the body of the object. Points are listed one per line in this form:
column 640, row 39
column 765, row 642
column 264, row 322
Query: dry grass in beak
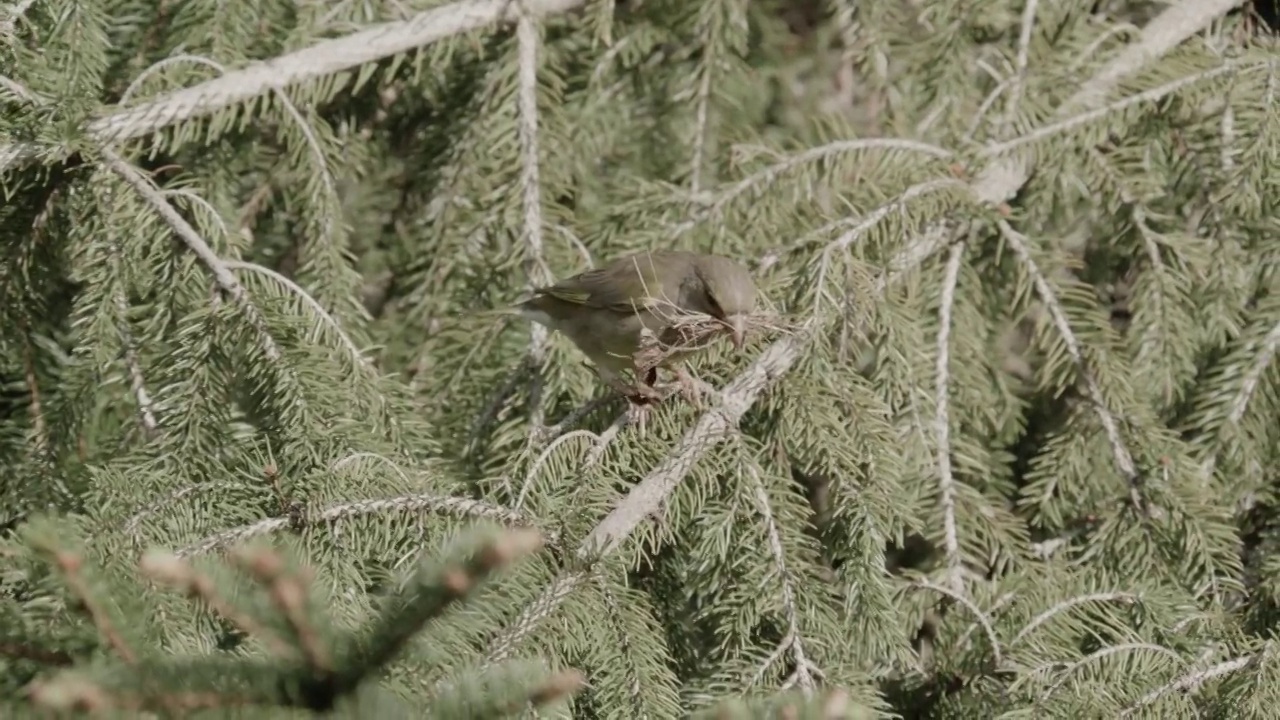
column 691, row 332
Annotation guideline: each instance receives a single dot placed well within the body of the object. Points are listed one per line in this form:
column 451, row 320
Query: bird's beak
column 737, row 330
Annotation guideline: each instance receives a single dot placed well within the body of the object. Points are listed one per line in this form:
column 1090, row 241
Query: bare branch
column 528, row 39
column 942, row 421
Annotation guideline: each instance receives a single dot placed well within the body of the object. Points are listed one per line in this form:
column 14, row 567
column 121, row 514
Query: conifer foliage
column 1012, row 454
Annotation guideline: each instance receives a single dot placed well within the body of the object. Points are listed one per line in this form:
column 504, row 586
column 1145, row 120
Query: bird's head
column 729, row 293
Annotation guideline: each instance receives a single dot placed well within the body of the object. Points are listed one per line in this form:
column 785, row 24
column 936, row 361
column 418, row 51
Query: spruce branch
column 221, row 273
column 981, row 617
column 1192, row 681
column 323, row 315
column 720, row 28
column 700, row 129
column 1253, row 377
column 137, row 381
column 331, row 668
column 71, row 564
column 322, row 59
column 805, row 671
column 1011, row 88
column 762, row 179
column 461, row 507
column 171, row 570
column 1065, row 673
column 999, row 181
column 1065, row 605
column 153, row 506
column 1027, row 27
column 1239, row 404
column 35, row 407
column 435, row 590
column 626, row 646
column 1120, row 453
column 289, row 593
column 542, row 458
column 485, row 418
column 505, row 642
column 1248, row 387
column 1232, row 67
column 551, row 432
column 70, row 693
column 856, row 227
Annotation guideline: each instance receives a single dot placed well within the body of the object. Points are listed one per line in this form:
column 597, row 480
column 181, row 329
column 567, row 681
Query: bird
column 605, row 312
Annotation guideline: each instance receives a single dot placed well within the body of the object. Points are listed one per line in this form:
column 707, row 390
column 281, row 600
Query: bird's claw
column 638, row 415
column 689, row 387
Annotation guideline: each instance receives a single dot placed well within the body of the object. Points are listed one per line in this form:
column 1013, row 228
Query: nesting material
column 688, row 333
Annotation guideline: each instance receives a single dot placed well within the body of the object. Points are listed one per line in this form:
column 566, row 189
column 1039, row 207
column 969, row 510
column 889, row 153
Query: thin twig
column 805, row 670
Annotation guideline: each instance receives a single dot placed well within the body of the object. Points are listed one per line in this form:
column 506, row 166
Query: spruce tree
column 1006, row 449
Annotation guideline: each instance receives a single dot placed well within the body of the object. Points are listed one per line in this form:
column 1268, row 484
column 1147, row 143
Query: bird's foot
column 689, row 388
column 641, row 398
column 638, row 415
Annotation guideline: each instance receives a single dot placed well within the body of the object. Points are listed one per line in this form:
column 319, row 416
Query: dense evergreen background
column 1015, row 455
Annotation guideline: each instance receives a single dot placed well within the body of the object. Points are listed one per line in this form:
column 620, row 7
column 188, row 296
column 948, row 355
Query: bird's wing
column 624, row 286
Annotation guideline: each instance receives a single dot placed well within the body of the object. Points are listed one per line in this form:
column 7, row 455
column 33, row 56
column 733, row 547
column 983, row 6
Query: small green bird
column 604, row 311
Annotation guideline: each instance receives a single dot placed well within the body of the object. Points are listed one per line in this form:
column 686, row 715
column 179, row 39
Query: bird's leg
column 637, row 394
column 688, row 386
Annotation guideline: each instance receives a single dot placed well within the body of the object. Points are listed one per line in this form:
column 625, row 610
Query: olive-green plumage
column 604, row 310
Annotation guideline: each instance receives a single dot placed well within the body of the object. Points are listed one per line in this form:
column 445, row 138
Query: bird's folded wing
column 627, row 289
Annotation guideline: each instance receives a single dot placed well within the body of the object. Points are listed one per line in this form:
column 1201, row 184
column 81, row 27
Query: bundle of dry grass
column 687, row 333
